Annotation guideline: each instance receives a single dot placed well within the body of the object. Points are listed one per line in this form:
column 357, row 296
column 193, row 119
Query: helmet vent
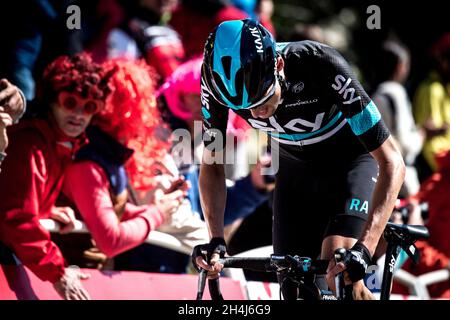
column 226, row 62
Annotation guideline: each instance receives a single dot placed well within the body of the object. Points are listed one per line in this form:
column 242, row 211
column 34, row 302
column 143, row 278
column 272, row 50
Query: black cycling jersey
column 324, row 107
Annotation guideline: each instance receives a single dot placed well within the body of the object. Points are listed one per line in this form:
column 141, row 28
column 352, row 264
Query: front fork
column 392, row 252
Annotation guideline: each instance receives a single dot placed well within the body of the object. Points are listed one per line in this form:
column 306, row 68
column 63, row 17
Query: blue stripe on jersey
column 279, row 46
column 206, row 114
column 301, row 136
column 365, row 120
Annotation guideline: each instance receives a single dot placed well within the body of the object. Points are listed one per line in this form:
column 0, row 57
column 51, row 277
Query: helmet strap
column 282, row 82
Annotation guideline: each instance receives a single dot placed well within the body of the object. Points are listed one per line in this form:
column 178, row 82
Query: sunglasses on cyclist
column 71, row 102
column 270, row 93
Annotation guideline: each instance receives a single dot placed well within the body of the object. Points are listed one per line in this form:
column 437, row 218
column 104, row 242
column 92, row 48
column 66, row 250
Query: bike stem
column 339, row 279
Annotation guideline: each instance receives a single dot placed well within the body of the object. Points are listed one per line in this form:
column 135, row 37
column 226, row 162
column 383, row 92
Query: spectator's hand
column 5, row 121
column 178, row 183
column 69, row 287
column 396, row 217
column 168, row 203
column 431, row 130
column 415, row 214
column 64, row 215
column 260, row 181
column 11, row 99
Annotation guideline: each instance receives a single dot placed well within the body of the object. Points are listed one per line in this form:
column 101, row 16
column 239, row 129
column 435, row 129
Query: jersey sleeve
column 215, row 118
column 358, row 108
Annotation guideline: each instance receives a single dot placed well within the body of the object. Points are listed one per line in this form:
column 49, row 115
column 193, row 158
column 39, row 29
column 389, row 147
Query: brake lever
column 339, row 255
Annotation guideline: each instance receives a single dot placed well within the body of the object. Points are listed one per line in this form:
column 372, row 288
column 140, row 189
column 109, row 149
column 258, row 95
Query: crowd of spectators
column 101, row 110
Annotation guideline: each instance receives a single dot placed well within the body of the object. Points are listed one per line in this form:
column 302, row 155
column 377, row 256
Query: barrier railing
column 155, row 237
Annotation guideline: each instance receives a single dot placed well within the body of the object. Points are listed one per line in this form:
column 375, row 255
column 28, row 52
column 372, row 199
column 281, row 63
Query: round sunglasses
column 70, row 101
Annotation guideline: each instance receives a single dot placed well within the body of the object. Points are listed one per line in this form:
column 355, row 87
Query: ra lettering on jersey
column 359, row 206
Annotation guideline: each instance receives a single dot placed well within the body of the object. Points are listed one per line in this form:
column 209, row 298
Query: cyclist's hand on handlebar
column 206, row 256
column 361, row 292
column 332, row 271
column 354, row 263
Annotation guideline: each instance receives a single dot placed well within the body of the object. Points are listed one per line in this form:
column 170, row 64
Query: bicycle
column 302, row 270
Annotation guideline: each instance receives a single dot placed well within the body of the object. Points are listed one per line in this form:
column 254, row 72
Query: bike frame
column 392, row 252
column 397, row 236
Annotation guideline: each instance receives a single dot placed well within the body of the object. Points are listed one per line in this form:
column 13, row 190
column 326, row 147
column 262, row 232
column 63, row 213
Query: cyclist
column 339, row 170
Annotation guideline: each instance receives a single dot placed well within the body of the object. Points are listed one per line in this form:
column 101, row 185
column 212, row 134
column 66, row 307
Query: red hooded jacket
column 194, row 26
column 30, row 181
column 434, row 252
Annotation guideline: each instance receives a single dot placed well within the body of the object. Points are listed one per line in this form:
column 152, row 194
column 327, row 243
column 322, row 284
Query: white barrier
column 417, row 285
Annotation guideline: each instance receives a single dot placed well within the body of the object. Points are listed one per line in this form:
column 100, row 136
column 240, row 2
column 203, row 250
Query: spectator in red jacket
column 123, row 138
column 434, row 252
column 73, row 90
column 194, row 20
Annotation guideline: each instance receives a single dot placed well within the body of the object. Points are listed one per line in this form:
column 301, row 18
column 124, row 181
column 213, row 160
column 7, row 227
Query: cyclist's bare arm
column 366, row 123
column 212, row 197
column 212, row 193
column 389, row 182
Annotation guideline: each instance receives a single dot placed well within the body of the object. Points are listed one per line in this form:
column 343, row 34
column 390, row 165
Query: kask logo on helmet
column 258, row 42
column 204, row 95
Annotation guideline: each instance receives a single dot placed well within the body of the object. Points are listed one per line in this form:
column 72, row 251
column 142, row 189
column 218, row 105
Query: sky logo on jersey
column 292, row 125
column 341, row 85
column 258, row 41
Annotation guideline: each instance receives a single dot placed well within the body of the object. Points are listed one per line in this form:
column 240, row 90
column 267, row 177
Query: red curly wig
column 76, row 74
column 131, row 116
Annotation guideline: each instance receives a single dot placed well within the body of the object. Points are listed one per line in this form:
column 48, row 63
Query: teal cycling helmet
column 239, row 64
